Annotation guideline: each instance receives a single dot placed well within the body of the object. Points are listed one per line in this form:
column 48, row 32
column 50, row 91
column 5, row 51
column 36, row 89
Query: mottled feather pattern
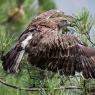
column 58, row 52
column 64, row 54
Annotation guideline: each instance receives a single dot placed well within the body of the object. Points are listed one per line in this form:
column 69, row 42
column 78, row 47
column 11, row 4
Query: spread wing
column 63, row 54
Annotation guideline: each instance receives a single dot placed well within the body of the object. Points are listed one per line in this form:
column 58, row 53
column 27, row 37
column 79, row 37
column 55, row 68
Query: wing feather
column 88, row 64
column 64, row 54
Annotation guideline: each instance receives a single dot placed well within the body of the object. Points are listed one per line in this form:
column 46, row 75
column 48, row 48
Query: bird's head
column 62, row 20
column 53, row 18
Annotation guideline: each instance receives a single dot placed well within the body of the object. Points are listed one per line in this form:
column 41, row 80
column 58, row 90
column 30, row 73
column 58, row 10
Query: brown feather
column 65, row 54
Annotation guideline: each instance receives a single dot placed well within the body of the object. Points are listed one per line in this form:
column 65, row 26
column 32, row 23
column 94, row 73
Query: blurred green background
column 15, row 15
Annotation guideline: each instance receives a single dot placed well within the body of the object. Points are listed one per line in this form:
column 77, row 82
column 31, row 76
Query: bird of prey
column 48, row 49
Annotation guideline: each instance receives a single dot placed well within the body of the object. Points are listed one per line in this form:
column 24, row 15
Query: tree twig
column 88, row 37
column 35, row 89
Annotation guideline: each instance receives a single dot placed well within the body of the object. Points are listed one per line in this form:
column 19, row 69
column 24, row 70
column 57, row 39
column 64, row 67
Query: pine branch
column 88, row 37
column 35, row 89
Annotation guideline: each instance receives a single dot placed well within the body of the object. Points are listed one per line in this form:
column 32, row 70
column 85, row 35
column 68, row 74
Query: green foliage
column 84, row 22
column 46, row 5
column 83, row 25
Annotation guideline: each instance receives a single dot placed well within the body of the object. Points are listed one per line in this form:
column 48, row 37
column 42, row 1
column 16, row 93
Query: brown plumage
column 48, row 49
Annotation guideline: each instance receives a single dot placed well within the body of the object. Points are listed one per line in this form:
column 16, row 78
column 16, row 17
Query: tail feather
column 11, row 60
